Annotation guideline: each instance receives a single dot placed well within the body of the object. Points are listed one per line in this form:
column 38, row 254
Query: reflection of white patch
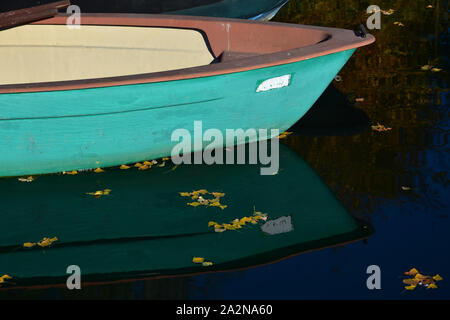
column 280, row 225
column 274, row 83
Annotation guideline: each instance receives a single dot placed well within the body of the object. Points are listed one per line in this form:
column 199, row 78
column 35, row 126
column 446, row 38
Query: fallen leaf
column 406, row 188
column 420, row 277
column 100, row 193
column 99, row 170
column 162, row 165
column 47, row 242
column 284, row 135
column 138, row 164
column 388, row 12
column 144, row 167
column 436, row 70
column 193, row 204
column 432, row 286
column 412, row 287
column 412, row 272
column 28, row 179
column 124, row 167
column 380, row 128
column 438, row 278
column 412, row 282
column 198, row 260
column 29, row 244
column 71, row 172
column 207, row 264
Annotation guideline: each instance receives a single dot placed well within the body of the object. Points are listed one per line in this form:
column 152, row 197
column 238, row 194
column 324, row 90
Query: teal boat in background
column 114, row 91
column 145, row 228
column 242, row 9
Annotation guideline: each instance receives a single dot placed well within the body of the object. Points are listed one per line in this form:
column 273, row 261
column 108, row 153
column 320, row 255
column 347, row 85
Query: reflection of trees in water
column 364, row 168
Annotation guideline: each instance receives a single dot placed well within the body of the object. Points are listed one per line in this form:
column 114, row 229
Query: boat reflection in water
column 144, row 227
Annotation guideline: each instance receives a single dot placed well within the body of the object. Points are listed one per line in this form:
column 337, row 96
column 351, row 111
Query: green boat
column 143, row 227
column 114, row 91
column 242, row 9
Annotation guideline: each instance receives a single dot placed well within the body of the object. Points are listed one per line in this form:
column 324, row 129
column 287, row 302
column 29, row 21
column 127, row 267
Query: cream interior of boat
column 46, row 53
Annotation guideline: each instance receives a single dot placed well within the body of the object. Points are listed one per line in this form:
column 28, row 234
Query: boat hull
column 48, row 132
column 242, row 9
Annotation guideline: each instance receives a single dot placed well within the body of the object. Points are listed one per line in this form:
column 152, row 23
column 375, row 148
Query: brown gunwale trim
column 337, row 40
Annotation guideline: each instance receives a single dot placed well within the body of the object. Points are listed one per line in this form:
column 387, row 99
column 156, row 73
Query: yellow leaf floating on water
column 124, row 167
column 388, row 12
column 284, row 135
column 147, row 163
column 138, row 164
column 100, row 193
column 47, row 242
column 238, row 223
column 4, row 277
column 207, row 264
column 29, row 244
column 162, row 165
column 412, row 272
column 420, row 279
column 218, row 194
column 194, row 204
column 436, row 70
column 72, row 173
column 380, row 128
column 412, row 282
column 27, row 179
column 144, row 167
column 165, row 159
column 99, row 170
column 399, row 24
column 198, row 260
column 438, row 278
column 199, row 197
column 426, row 67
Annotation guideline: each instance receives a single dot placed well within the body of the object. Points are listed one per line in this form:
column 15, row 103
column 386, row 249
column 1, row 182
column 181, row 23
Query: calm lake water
column 394, row 183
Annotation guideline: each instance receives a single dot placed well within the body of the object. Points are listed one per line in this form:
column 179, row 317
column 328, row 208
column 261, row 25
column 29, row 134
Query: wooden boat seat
column 44, row 53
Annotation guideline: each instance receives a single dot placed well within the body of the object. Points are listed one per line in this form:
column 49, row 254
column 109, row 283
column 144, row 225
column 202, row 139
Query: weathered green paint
column 144, row 227
column 47, row 132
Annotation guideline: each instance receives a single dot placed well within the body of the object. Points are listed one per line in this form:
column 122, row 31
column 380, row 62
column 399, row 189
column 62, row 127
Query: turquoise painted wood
column 47, row 132
column 144, row 227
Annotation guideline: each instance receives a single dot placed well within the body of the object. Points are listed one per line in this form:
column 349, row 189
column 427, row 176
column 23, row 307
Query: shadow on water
column 144, row 227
